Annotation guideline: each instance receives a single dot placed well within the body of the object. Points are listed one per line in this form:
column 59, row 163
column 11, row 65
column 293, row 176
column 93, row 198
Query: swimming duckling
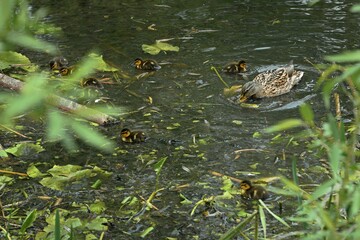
column 271, row 83
column 66, row 71
column 91, row 82
column 235, row 67
column 150, row 65
column 132, row 137
column 57, row 63
column 253, row 192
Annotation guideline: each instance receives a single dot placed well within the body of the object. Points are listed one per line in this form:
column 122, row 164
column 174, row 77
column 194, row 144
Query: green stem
column 217, row 73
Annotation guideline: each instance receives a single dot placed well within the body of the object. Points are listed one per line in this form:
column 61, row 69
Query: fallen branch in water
column 61, row 103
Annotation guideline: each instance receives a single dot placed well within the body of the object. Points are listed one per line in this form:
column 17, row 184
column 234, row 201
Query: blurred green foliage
column 332, row 210
column 18, row 26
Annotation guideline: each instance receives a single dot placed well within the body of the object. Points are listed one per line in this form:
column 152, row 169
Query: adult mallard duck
column 132, row 137
column 57, row 63
column 271, row 83
column 235, row 67
column 252, row 191
column 149, row 65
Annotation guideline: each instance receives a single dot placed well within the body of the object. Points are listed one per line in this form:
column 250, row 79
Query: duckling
column 150, row 65
column 66, row 71
column 91, row 82
column 253, row 192
column 132, row 137
column 57, row 63
column 235, row 67
column 271, row 83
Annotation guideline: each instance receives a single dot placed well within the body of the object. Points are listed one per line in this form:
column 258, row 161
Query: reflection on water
column 187, row 104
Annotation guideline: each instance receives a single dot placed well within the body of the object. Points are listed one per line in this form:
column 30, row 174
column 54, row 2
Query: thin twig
column 14, row 173
column 13, row 131
column 248, row 150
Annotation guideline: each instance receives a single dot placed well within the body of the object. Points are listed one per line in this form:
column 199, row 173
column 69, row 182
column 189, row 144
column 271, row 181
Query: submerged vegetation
column 71, row 201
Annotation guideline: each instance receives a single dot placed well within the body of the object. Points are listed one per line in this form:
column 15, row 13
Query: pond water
column 188, row 107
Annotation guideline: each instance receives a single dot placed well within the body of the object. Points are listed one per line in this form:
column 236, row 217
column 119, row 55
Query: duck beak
column 157, row 67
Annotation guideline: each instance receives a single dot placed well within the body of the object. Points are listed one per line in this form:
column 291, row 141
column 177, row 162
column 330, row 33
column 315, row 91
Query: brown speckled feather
column 271, row 83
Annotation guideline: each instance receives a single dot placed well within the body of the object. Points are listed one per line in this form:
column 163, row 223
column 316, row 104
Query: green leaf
column 307, row 113
column 146, row 232
column 25, row 149
column 9, row 59
column 30, row 42
column 92, row 137
column 56, row 183
column 155, row 48
column 355, row 8
column 57, row 228
column 96, row 184
column 56, row 126
column 157, row 166
column 350, row 56
column 66, row 170
column 6, row 180
column 34, row 172
column 32, row 96
column 284, row 125
column 184, row 201
column 273, row 214
column 97, row 207
column 100, row 64
column 234, row 231
column 237, row 122
column 262, row 219
column 97, row 224
column 29, row 220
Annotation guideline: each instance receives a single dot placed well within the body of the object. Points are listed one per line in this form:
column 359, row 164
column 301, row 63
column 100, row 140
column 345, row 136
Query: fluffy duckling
column 57, row 63
column 66, row 71
column 132, row 137
column 149, row 65
column 91, row 82
column 271, row 83
column 235, row 67
column 253, row 192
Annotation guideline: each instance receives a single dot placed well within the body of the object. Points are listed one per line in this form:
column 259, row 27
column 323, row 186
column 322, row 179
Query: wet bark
column 61, row 103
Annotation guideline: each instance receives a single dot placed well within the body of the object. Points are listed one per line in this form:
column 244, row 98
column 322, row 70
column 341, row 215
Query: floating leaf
column 25, row 149
column 34, row 172
column 64, row 175
column 155, row 48
column 97, row 224
column 6, row 180
column 237, row 122
column 233, row 90
column 249, row 105
column 100, row 64
column 97, row 207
